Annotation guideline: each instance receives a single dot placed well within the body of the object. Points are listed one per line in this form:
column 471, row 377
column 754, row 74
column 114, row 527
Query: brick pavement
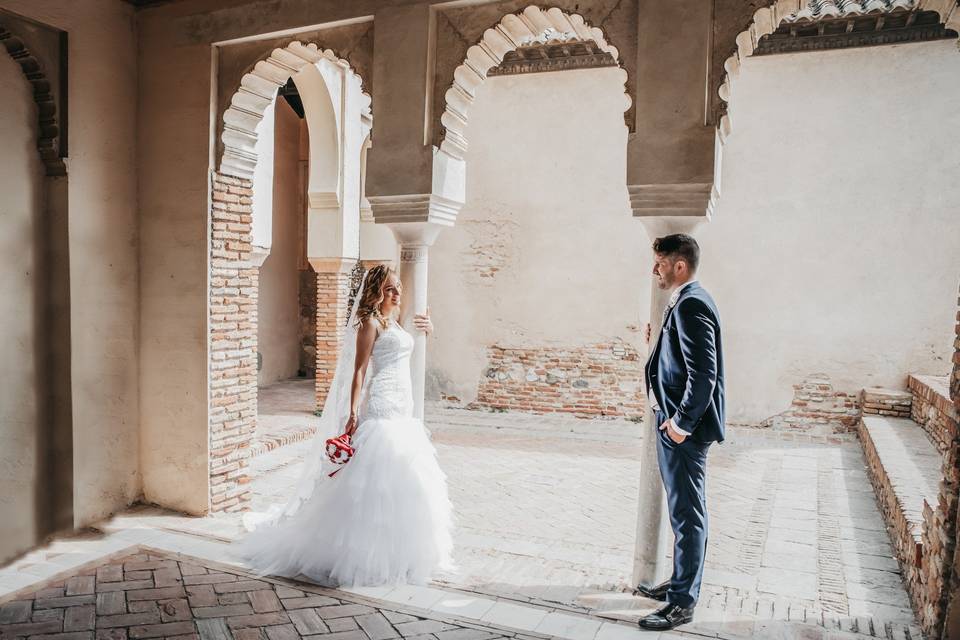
column 150, row 594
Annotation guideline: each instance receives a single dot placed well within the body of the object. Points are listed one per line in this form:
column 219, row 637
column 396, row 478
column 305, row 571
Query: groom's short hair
column 679, row 246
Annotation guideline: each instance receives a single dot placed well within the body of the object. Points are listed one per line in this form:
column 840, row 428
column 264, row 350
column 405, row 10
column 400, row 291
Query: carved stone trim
column 861, row 31
column 768, row 19
column 529, row 27
column 553, row 56
column 417, row 207
column 414, row 253
column 48, row 129
column 257, row 90
column 649, row 200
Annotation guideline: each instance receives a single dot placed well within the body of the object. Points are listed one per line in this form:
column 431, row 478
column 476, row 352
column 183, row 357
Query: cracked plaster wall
column 545, row 251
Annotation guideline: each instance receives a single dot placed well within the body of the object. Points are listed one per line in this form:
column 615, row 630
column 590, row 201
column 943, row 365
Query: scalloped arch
column 48, row 125
column 532, row 25
column 258, row 88
column 766, row 20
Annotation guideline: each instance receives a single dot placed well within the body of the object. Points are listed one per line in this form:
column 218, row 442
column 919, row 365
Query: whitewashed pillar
column 654, row 537
column 415, row 240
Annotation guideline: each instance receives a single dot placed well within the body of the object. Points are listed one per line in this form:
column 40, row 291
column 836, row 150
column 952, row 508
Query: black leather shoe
column 658, row 592
column 668, row 617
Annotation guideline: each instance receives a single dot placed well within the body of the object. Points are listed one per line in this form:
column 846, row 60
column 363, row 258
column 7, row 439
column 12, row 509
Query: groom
column 684, row 376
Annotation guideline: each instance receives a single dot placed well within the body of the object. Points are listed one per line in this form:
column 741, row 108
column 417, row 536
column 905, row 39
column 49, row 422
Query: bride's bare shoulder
column 369, row 327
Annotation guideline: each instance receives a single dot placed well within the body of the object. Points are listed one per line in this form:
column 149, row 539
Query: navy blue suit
column 685, row 375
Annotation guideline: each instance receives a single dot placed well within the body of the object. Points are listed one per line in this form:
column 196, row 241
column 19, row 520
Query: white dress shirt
column 650, row 395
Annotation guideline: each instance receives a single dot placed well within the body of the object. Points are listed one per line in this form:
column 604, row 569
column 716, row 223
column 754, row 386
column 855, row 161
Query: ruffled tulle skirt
column 384, row 518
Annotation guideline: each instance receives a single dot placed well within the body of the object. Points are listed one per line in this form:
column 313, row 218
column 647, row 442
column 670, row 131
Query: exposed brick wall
column 955, row 376
column 308, row 323
column 933, row 409
column 333, row 292
column 604, row 379
column 886, row 402
column 938, row 416
column 234, row 283
column 816, row 404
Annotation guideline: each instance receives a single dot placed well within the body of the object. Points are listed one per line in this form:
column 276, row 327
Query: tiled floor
column 545, row 533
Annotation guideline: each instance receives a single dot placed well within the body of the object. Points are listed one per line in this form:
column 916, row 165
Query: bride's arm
column 366, row 336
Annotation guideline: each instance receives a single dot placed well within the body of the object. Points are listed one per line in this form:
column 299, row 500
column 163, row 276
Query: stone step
column 905, row 469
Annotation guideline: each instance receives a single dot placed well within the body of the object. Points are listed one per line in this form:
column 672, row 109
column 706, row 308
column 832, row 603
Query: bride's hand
column 423, row 322
column 351, row 426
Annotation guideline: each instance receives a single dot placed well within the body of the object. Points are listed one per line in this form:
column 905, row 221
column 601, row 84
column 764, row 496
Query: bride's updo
column 369, row 305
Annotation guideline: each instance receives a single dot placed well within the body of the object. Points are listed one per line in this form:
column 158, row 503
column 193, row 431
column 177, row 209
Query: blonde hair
column 369, row 305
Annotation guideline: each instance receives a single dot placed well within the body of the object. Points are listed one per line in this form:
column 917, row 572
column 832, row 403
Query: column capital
column 259, row 255
column 416, row 207
column 674, row 200
column 659, row 226
column 332, row 265
column 413, row 235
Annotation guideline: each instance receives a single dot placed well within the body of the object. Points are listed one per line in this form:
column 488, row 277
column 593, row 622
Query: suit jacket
column 685, row 368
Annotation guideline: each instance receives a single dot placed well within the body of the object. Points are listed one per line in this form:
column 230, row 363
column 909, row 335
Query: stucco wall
column 103, row 247
column 545, row 251
column 835, row 248
column 278, row 310
column 173, row 158
column 21, row 209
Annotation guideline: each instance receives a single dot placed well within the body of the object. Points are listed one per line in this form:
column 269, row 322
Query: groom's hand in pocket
column 671, row 433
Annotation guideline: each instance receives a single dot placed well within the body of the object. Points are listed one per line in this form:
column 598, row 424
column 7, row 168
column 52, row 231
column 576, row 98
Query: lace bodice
column 390, row 393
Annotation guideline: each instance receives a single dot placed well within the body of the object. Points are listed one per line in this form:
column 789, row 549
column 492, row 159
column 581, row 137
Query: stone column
column 415, row 240
column 654, row 537
column 333, row 291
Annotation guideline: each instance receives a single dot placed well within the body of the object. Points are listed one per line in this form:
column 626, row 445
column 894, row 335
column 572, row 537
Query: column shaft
column 653, row 531
column 413, row 275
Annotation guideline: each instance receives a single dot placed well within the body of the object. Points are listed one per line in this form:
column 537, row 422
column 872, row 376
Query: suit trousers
column 683, row 469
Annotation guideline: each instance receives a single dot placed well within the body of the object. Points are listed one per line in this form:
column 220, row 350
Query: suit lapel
column 666, row 318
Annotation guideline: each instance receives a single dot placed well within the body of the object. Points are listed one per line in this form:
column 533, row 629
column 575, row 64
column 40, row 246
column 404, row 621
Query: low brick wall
column 938, row 415
column 818, row 406
column 597, row 380
column 925, row 541
column 933, row 410
column 886, row 402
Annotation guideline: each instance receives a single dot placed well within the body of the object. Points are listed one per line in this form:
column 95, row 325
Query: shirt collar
column 676, row 292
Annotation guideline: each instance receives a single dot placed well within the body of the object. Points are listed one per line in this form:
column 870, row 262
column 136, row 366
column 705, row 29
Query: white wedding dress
column 385, row 517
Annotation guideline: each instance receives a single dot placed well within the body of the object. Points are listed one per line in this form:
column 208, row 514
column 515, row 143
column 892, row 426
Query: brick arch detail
column 48, row 125
column 530, row 26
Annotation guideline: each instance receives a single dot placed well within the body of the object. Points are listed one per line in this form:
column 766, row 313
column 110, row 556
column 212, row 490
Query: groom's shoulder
column 698, row 297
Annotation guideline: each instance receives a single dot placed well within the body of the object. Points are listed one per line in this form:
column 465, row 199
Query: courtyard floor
column 546, row 519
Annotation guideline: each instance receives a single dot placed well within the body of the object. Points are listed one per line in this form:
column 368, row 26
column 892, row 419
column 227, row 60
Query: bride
column 384, row 517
